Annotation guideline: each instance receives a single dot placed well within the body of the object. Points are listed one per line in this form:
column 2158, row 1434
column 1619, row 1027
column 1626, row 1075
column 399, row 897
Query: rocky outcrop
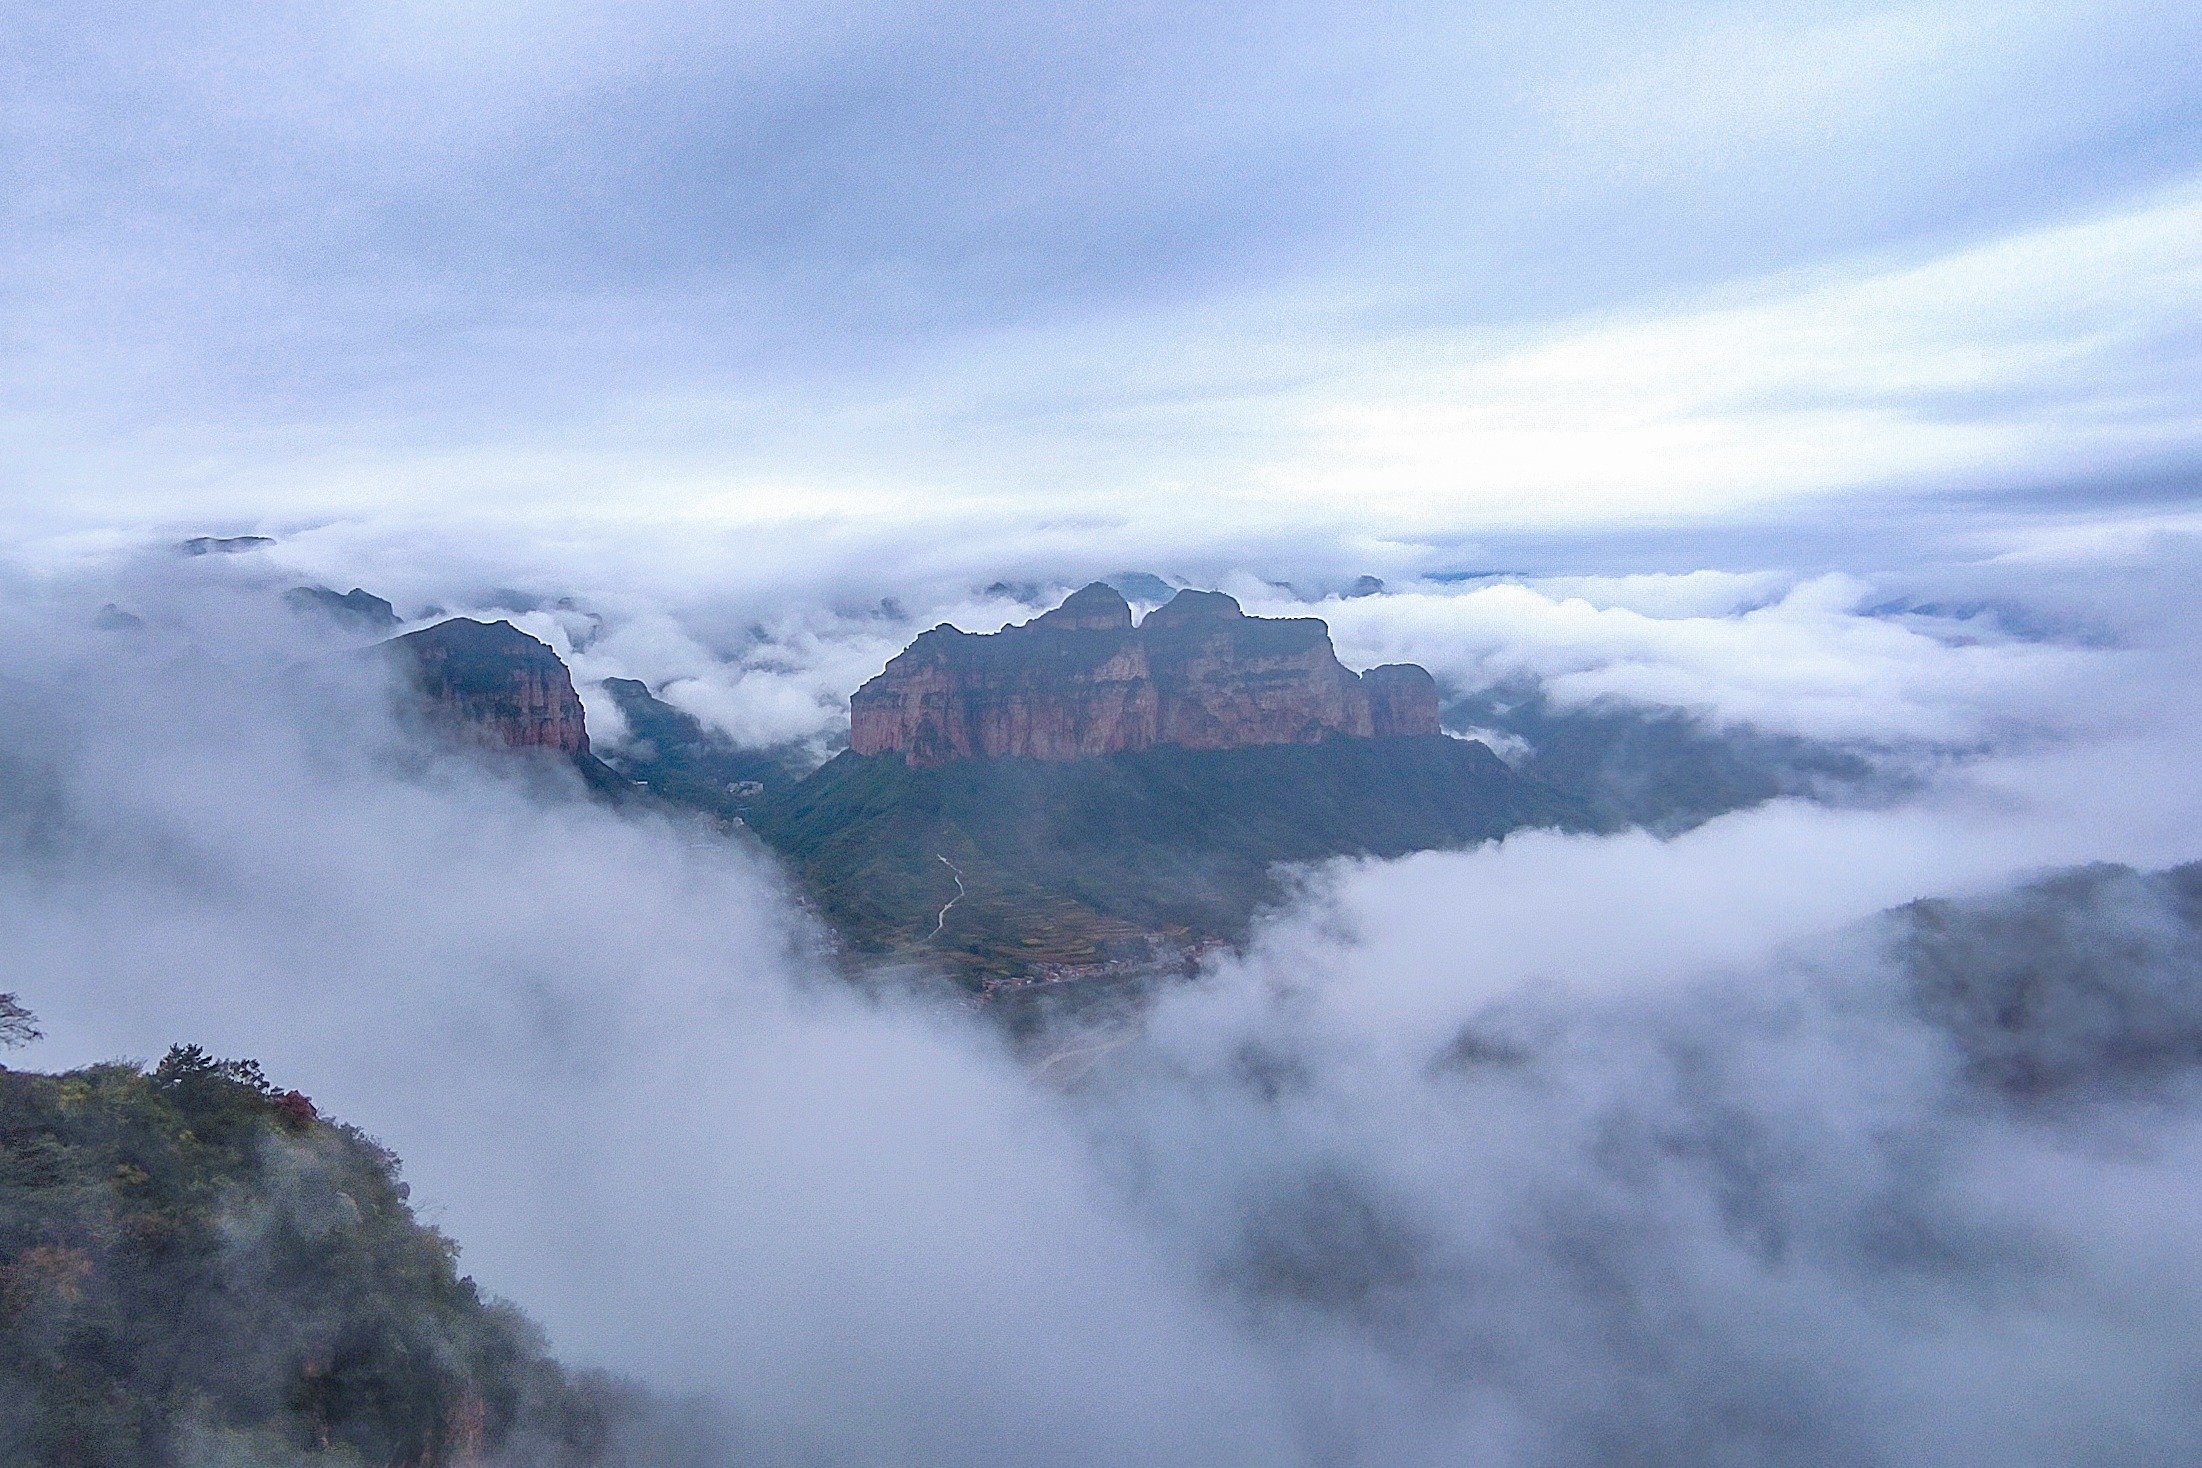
column 1402, row 700
column 358, row 608
column 1083, row 681
column 223, row 545
column 491, row 683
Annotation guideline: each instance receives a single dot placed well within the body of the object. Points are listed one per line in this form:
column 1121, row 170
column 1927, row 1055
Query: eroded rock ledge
column 1082, row 681
column 490, row 683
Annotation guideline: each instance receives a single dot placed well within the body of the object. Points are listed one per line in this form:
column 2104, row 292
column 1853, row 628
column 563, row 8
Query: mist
column 1773, row 428
column 1563, row 1150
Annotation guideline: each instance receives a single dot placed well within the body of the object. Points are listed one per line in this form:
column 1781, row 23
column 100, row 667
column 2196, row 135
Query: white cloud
column 2021, row 358
column 1797, row 656
column 1275, row 1226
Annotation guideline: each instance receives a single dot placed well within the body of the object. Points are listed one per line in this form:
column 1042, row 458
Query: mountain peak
column 1082, row 681
column 1099, row 607
column 1191, row 608
column 494, row 684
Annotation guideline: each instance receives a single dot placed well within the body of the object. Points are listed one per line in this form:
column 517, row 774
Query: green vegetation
column 1091, row 860
column 669, row 751
column 1134, row 858
column 1660, row 769
column 198, row 1269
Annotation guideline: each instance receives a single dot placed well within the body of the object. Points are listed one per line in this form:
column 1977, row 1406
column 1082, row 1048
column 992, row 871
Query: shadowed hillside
column 669, row 751
column 1661, row 768
column 1087, row 861
column 196, row 1269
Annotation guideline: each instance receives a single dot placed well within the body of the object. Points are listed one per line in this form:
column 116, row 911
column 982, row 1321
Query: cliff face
column 1082, row 681
column 1402, row 700
column 493, row 684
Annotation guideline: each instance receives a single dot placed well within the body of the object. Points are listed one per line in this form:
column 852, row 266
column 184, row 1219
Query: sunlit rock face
column 491, row 683
column 1083, row 681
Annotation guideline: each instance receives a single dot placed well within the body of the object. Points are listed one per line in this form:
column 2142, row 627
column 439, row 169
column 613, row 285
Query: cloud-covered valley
column 1773, row 428
column 1556, row 1150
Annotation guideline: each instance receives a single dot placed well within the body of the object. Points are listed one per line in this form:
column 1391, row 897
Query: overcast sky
column 1412, row 269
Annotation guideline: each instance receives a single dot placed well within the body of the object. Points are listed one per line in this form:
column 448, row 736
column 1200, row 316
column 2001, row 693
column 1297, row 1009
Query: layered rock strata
column 491, row 683
column 1083, row 681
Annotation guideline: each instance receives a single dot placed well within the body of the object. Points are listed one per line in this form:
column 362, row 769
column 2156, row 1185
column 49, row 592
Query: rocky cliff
column 1083, row 681
column 491, row 683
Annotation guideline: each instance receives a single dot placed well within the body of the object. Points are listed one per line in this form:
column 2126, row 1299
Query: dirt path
column 941, row 921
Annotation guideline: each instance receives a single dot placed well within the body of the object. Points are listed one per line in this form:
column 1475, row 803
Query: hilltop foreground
column 196, row 1268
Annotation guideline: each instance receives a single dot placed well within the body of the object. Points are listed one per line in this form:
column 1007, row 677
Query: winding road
column 942, row 920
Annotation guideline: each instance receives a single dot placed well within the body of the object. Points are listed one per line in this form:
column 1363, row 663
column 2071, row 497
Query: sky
column 1172, row 274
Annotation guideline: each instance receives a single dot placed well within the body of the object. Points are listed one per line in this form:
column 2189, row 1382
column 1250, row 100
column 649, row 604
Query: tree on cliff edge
column 18, row 1026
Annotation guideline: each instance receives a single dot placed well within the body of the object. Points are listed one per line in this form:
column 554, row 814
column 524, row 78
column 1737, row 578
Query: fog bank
column 1556, row 1152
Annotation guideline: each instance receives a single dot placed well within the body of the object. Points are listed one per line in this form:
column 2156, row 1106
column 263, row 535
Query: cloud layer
column 1530, row 1153
column 950, row 263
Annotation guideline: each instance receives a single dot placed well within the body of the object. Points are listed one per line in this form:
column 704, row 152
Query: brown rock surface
column 1082, row 681
column 1402, row 700
column 491, row 683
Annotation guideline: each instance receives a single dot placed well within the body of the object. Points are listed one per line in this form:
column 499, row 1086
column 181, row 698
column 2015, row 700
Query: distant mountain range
column 1087, row 794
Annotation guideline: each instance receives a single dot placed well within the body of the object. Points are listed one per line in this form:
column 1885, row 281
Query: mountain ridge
column 1084, row 681
column 1057, row 866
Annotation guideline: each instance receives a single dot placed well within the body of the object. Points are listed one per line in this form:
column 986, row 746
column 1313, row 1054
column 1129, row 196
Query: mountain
column 670, row 751
column 1082, row 681
column 1084, row 791
column 197, row 1268
column 1661, row 769
column 490, row 684
column 1080, row 791
column 1013, row 867
column 357, row 608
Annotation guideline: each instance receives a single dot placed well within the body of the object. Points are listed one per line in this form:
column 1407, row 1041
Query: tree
column 18, row 1026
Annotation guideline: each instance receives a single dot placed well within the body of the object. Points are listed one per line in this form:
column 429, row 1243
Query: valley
column 1088, row 799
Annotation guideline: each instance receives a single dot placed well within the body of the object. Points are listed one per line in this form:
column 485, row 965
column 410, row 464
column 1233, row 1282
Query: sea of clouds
column 1567, row 1150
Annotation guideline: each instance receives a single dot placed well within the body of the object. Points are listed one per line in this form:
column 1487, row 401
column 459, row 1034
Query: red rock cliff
column 1082, row 681
column 491, row 683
